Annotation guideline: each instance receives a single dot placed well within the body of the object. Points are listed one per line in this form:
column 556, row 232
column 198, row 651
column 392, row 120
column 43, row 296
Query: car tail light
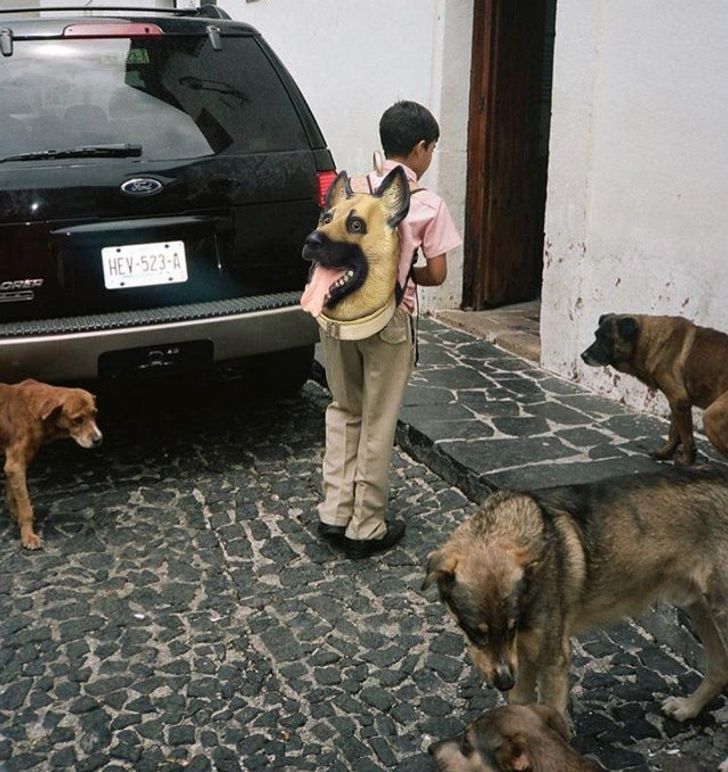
column 325, row 181
column 112, row 30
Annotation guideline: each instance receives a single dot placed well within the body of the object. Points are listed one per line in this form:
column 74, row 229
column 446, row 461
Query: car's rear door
column 212, row 200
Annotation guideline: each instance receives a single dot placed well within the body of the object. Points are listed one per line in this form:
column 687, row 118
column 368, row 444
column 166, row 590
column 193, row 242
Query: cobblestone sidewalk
column 183, row 615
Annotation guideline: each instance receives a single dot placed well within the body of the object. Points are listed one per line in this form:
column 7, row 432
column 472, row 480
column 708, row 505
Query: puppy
column 529, row 570
column 32, row 414
column 527, row 738
column 354, row 255
column 689, row 364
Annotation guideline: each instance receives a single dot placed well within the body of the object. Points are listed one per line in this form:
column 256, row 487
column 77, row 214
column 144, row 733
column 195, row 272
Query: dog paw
column 32, row 541
column 679, row 708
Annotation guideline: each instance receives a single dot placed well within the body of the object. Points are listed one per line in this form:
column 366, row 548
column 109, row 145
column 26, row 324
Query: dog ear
column 395, row 194
column 339, row 191
column 46, row 403
column 553, row 719
column 603, row 318
column 628, row 327
column 51, row 412
column 514, row 754
column 440, row 568
column 531, row 558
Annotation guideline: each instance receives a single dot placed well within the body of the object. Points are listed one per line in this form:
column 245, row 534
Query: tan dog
column 32, row 414
column 687, row 363
column 514, row 738
column 355, row 257
column 530, row 570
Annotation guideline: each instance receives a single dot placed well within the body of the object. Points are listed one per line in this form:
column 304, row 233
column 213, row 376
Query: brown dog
column 687, row 363
column 530, row 570
column 523, row 738
column 32, row 414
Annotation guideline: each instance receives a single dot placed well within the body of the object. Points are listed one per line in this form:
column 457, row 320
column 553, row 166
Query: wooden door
column 510, row 100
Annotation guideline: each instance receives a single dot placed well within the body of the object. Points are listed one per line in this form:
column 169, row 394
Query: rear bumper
column 69, row 348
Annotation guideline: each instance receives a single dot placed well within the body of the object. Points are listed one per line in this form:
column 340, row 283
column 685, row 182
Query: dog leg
column 553, row 683
column 15, row 466
column 554, row 687
column 10, row 501
column 682, row 418
column 667, row 450
column 715, row 424
column 716, row 664
column 524, row 691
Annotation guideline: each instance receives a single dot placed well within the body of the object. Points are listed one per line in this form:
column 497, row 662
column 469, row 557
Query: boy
column 368, row 377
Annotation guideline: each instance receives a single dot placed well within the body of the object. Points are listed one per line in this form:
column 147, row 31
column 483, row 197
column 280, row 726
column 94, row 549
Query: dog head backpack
column 355, row 252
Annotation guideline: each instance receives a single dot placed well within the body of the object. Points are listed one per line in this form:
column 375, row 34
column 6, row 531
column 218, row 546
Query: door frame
column 490, row 174
column 479, row 120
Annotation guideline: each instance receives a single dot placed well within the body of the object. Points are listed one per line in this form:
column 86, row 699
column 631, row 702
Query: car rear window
column 174, row 95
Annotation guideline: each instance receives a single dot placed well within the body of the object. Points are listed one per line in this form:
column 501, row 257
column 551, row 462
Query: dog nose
column 312, row 246
column 503, row 679
column 314, row 240
column 96, row 441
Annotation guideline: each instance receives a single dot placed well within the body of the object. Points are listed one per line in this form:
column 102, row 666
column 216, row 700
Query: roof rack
column 206, row 11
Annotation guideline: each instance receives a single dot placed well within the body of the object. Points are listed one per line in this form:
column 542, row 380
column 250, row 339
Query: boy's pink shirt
column 427, row 227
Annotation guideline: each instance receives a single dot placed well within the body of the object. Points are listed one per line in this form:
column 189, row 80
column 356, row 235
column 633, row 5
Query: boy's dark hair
column 403, row 125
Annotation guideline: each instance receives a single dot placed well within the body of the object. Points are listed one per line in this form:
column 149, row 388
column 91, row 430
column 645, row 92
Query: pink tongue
column 314, row 296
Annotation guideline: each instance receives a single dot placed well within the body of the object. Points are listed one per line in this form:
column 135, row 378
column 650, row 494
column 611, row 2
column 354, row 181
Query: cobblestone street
column 184, row 615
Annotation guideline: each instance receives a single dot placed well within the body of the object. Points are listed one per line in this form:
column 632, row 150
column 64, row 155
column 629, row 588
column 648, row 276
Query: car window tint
column 174, row 95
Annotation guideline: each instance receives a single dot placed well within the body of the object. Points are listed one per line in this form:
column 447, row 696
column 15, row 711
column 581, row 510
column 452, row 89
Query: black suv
column 159, row 171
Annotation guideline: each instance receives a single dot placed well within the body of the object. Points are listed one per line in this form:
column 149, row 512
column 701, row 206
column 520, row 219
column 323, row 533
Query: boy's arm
column 432, row 273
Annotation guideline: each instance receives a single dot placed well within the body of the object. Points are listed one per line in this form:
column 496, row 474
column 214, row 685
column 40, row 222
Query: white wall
column 352, row 60
column 99, row 3
column 637, row 206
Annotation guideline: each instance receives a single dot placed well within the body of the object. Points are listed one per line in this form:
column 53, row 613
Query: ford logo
column 141, row 186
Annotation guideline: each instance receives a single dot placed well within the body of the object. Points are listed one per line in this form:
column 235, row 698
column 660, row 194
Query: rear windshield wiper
column 93, row 151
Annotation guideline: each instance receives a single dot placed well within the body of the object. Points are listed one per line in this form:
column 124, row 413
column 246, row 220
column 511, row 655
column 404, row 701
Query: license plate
column 143, row 265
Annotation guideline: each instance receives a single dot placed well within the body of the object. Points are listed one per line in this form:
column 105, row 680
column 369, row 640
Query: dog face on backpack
column 355, row 249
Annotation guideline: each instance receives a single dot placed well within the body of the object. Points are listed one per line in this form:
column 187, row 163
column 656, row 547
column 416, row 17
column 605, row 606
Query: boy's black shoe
column 358, row 549
column 333, row 533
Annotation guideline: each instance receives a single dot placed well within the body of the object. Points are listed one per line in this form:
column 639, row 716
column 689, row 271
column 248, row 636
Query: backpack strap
column 415, row 255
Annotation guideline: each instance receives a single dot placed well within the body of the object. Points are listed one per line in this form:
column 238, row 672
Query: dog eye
column 78, row 420
column 355, row 225
column 326, row 218
column 465, row 747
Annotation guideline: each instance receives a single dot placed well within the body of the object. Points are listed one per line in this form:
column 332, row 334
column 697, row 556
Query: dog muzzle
column 358, row 329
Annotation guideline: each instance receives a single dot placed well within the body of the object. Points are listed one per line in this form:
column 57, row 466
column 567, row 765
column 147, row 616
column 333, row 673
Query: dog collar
column 358, row 329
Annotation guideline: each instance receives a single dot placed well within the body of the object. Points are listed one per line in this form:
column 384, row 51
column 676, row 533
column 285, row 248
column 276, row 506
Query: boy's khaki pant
column 367, row 379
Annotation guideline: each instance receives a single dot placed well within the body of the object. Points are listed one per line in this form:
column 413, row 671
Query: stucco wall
column 352, row 60
column 636, row 215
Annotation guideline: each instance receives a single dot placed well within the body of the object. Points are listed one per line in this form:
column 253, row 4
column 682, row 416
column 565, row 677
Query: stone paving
column 484, row 418
column 183, row 614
